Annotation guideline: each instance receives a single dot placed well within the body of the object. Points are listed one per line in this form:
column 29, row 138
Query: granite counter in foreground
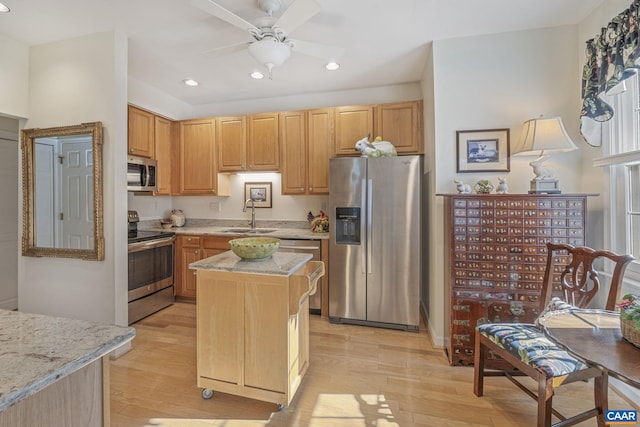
column 279, row 264
column 37, row 351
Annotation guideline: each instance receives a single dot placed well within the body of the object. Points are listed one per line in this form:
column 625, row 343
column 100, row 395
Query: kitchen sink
column 239, row 230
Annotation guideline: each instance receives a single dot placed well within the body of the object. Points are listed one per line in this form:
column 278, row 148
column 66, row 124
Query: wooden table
column 594, row 337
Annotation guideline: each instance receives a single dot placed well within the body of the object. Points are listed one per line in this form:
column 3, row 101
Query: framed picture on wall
column 482, row 150
column 259, row 192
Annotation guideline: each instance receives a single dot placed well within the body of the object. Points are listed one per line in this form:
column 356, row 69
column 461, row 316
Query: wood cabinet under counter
column 253, row 324
column 55, row 371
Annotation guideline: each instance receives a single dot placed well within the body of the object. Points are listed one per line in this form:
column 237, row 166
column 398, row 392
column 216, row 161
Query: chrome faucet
column 253, row 212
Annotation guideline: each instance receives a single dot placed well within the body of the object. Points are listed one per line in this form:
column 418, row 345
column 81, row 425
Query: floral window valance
column 612, row 56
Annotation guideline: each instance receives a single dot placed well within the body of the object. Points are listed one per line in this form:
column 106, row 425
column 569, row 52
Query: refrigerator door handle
column 369, row 223
column 363, row 222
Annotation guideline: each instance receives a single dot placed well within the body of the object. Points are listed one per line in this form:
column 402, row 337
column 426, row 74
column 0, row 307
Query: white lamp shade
column 544, row 135
column 270, row 52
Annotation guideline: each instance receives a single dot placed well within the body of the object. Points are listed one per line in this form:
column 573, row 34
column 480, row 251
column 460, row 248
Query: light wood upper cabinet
column 400, row 124
column 306, row 138
column 248, row 143
column 165, row 154
column 320, row 134
column 198, row 169
column 352, row 124
column 232, row 143
column 263, row 145
column 293, row 138
column 140, row 140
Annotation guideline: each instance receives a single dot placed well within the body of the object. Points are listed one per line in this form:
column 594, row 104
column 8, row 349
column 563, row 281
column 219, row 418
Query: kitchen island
column 253, row 324
column 55, row 371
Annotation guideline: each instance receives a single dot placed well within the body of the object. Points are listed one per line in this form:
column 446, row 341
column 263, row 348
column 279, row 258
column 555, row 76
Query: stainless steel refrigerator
column 375, row 244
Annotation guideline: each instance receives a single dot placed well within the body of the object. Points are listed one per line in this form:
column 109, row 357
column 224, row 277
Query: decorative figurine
column 377, row 148
column 462, row 187
column 502, row 187
column 483, row 187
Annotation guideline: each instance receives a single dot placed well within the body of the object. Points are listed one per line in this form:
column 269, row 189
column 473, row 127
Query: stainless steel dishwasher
column 312, row 247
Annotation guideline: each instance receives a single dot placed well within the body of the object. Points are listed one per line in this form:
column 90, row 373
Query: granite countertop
column 37, row 350
column 278, row 264
column 282, row 229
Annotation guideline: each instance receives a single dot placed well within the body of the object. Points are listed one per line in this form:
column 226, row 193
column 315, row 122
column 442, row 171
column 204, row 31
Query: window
column 622, row 157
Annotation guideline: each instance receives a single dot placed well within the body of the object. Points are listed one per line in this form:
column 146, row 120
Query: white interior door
column 45, row 199
column 77, row 194
column 9, row 224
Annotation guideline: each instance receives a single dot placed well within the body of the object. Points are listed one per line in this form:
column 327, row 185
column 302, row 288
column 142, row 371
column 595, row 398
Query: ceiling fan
column 272, row 46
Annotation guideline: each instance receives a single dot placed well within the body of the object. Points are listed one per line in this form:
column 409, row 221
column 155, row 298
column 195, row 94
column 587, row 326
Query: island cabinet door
column 266, row 317
column 220, row 329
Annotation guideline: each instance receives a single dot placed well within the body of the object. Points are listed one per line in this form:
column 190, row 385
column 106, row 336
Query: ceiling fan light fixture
column 332, row 66
column 270, row 52
column 256, row 75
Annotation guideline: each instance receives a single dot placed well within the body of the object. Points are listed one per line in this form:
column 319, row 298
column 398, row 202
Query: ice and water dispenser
column 347, row 226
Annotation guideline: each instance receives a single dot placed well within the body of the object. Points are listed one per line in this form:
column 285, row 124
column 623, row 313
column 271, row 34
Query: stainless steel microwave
column 141, row 174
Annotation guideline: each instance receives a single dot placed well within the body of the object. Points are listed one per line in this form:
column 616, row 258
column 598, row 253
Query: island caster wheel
column 280, row 406
column 207, row 393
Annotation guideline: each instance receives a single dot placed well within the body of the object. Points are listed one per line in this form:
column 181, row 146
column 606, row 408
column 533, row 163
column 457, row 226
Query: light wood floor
column 358, row 376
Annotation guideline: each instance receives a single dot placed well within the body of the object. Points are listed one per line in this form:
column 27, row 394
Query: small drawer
column 189, row 241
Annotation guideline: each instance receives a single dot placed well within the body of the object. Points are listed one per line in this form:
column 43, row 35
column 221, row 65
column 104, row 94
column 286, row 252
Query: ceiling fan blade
column 236, row 47
column 299, row 12
column 318, row 50
column 218, row 11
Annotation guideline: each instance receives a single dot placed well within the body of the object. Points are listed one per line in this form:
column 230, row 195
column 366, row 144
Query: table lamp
column 543, row 136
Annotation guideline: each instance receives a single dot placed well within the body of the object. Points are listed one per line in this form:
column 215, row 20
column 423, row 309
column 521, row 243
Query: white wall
column 489, row 82
column 284, row 207
column 382, row 94
column 14, row 77
column 70, row 82
column 150, row 98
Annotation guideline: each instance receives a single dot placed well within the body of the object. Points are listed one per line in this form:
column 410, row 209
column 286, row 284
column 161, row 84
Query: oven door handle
column 150, row 244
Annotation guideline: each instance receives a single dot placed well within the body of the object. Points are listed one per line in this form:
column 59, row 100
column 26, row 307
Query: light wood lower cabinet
column 192, row 248
column 188, row 250
column 253, row 332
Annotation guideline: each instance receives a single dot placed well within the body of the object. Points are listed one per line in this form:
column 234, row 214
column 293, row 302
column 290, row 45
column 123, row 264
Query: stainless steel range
column 151, row 255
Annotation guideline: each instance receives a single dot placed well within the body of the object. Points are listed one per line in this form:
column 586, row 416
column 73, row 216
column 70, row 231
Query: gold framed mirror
column 62, row 192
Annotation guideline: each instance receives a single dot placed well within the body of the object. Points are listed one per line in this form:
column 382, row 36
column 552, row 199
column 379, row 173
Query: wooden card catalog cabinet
column 497, row 255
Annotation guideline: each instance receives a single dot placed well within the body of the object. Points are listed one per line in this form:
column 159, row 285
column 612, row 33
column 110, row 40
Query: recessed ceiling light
column 3, row 8
column 256, row 75
column 190, row 82
column 332, row 66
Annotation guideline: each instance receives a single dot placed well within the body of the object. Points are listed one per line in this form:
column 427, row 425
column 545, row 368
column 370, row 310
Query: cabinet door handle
column 311, row 189
column 195, row 252
column 302, row 189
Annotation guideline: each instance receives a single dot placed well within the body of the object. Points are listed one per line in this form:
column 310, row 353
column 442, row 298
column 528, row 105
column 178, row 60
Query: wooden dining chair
column 531, row 353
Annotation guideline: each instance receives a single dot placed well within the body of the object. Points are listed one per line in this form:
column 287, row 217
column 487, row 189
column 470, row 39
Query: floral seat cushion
column 529, row 344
